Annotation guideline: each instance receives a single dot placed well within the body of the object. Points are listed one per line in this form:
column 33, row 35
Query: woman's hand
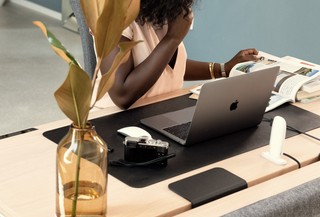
column 131, row 82
column 242, row 56
column 179, row 28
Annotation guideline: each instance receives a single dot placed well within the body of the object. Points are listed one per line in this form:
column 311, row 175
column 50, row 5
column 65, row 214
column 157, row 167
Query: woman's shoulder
column 136, row 29
column 130, row 30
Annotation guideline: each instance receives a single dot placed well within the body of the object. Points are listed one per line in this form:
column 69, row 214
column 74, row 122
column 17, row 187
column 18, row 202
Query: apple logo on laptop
column 234, row 105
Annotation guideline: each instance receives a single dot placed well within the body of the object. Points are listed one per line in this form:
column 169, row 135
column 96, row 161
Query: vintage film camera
column 143, row 149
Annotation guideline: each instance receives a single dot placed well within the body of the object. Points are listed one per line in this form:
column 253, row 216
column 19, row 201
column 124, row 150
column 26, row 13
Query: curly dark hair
column 160, row 12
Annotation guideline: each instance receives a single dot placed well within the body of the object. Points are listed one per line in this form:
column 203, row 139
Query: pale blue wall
column 223, row 27
column 279, row 27
column 51, row 4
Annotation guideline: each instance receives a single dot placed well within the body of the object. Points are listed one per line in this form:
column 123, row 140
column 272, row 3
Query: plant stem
column 94, row 80
column 96, row 72
column 76, row 184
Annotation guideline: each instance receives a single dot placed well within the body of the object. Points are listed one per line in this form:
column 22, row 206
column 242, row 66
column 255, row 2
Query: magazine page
column 251, row 66
column 276, row 100
column 313, row 85
column 197, row 89
column 301, row 62
column 290, row 77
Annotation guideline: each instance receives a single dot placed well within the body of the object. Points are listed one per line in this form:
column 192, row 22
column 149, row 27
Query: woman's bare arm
column 132, row 83
column 196, row 70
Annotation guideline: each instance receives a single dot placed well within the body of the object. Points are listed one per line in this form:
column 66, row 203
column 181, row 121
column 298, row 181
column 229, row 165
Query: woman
column 159, row 64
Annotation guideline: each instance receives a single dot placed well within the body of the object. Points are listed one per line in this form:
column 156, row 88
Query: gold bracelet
column 211, row 70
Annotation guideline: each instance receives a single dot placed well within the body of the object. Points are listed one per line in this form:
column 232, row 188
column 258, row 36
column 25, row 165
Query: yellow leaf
column 100, row 6
column 74, row 96
column 90, row 10
column 110, row 26
column 132, row 12
column 107, row 79
column 41, row 26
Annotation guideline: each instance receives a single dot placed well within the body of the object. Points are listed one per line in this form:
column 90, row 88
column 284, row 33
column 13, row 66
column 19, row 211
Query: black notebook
column 208, row 186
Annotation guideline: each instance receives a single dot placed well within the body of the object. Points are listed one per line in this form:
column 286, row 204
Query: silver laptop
column 224, row 106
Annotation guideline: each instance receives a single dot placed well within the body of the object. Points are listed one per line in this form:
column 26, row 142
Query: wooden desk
column 27, row 180
column 258, row 192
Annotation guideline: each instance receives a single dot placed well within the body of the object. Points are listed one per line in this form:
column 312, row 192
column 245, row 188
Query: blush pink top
column 170, row 80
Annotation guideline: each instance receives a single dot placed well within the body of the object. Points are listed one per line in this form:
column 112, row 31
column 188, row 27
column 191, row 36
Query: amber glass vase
column 82, row 169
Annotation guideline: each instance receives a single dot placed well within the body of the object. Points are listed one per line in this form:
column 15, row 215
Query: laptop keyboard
column 180, row 131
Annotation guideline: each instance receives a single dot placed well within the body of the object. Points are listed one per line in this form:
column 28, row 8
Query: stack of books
column 310, row 91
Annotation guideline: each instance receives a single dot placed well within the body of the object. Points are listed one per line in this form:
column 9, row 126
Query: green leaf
column 56, row 44
column 107, row 80
column 74, row 96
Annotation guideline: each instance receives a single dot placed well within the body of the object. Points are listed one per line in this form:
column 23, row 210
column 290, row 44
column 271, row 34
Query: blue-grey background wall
column 224, row 27
column 279, row 27
column 51, row 4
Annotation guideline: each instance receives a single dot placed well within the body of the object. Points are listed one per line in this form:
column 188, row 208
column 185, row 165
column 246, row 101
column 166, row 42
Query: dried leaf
column 74, row 96
column 107, row 79
column 56, row 44
column 132, row 12
column 90, row 10
column 110, row 26
column 100, row 6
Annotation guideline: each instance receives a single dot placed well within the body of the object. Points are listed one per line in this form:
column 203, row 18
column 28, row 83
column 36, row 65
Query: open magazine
column 292, row 75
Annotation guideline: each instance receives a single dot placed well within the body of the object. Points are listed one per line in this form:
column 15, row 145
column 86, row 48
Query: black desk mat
column 190, row 157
